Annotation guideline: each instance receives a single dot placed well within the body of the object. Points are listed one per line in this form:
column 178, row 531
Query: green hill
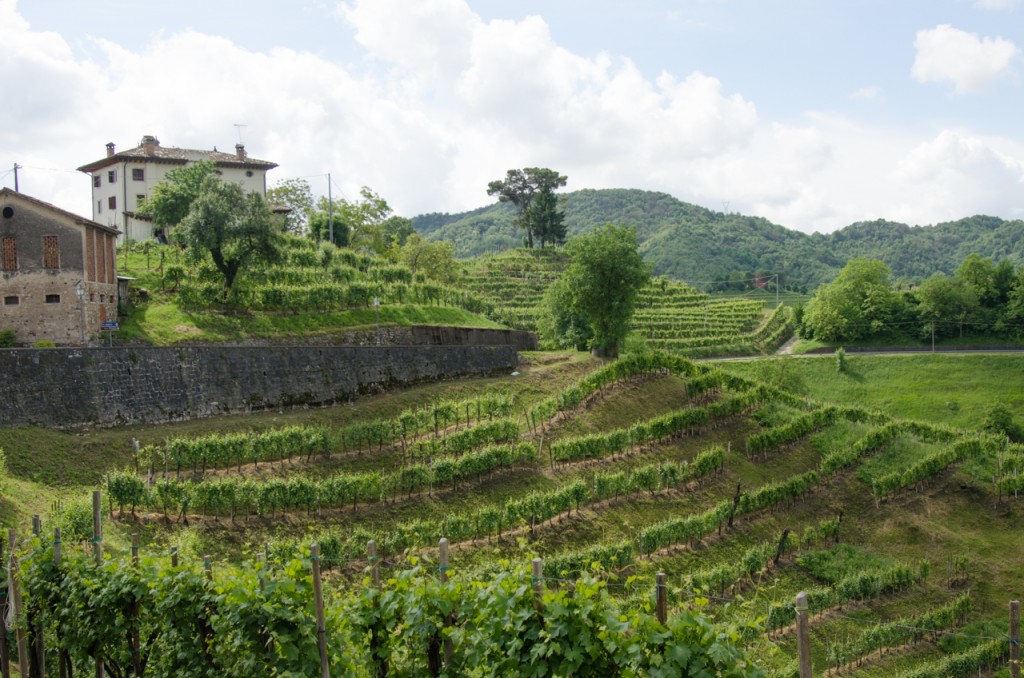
column 695, row 244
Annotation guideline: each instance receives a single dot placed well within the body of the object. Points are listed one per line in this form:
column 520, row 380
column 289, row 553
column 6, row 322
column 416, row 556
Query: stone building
column 121, row 180
column 57, row 272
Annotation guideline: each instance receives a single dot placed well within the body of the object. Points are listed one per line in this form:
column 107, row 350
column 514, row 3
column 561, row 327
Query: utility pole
column 16, row 168
column 330, row 209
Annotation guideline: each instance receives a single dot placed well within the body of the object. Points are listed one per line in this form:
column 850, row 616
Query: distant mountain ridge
column 695, row 244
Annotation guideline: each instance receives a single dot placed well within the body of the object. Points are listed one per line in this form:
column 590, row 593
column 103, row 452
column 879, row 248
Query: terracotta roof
column 8, row 193
column 177, row 156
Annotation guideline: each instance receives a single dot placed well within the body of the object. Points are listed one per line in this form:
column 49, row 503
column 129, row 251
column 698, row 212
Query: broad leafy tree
column 434, row 259
column 296, row 195
column 860, row 302
column 366, row 224
column 946, row 303
column 172, row 198
column 233, row 228
column 519, row 187
column 601, row 284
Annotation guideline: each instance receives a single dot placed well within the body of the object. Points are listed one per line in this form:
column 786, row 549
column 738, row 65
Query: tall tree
column 519, row 188
column 944, row 300
column 859, row 302
column 171, row 199
column 545, row 219
column 234, row 228
column 601, row 284
column 296, row 195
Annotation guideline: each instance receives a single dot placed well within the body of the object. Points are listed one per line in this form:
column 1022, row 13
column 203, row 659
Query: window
column 53, row 298
column 112, row 202
column 51, row 252
column 112, row 177
column 103, row 299
column 139, row 198
column 138, row 174
column 99, row 207
column 10, row 255
column 97, row 181
column 11, row 300
column 92, row 297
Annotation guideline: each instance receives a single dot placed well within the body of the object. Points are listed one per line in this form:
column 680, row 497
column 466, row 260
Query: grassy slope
column 952, row 389
column 161, row 322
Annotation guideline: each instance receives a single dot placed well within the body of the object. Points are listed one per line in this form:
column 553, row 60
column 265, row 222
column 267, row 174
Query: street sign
column 111, row 327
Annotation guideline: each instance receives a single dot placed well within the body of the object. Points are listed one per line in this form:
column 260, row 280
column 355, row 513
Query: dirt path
column 787, row 348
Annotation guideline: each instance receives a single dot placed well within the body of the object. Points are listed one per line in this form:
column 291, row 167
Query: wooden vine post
column 538, row 584
column 97, row 528
column 661, row 588
column 136, row 648
column 449, row 648
column 5, row 660
column 1015, row 639
column 803, row 635
column 35, row 626
column 371, row 554
column 15, row 603
column 318, row 599
column 63, row 658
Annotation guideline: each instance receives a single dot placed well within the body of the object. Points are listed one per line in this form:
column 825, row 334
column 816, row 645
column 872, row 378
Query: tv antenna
column 239, row 126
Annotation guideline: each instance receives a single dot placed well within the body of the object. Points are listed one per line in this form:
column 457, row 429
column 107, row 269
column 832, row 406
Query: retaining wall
column 106, row 386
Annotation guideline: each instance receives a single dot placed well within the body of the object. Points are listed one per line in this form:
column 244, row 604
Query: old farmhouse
column 120, row 181
column 57, row 274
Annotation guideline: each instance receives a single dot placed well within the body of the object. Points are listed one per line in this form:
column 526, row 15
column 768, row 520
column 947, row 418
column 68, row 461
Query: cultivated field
column 899, row 525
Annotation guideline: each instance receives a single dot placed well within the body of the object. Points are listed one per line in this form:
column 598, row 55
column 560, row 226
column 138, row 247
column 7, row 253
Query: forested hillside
column 692, row 243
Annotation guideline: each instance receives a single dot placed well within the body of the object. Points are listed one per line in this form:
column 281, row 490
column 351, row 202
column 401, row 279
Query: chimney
column 240, row 151
column 110, row 149
column 149, row 144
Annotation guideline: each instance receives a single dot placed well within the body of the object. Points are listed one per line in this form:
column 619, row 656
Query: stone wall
column 438, row 335
column 106, row 386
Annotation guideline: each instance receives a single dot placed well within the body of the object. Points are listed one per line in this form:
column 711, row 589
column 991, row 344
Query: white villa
column 120, row 181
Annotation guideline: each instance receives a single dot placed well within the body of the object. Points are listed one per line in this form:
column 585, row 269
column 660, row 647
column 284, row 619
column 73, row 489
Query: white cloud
column 971, row 63
column 867, row 93
column 429, row 133
column 965, row 175
column 997, row 4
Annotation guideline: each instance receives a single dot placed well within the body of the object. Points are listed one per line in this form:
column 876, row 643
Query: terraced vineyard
column 740, row 493
column 670, row 315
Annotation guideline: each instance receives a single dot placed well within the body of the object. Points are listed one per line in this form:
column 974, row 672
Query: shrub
column 840, row 360
column 44, row 343
column 7, row 338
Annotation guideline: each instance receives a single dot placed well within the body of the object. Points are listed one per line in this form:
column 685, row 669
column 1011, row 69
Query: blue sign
column 111, row 327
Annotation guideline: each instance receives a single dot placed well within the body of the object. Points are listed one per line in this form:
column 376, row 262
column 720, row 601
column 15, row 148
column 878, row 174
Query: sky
column 811, row 113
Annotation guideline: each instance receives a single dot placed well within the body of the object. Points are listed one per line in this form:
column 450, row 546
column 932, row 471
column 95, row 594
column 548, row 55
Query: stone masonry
column 108, row 386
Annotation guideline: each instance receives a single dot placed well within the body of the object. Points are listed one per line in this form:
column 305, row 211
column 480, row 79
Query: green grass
column 832, row 564
column 803, row 346
column 163, row 323
column 949, row 389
